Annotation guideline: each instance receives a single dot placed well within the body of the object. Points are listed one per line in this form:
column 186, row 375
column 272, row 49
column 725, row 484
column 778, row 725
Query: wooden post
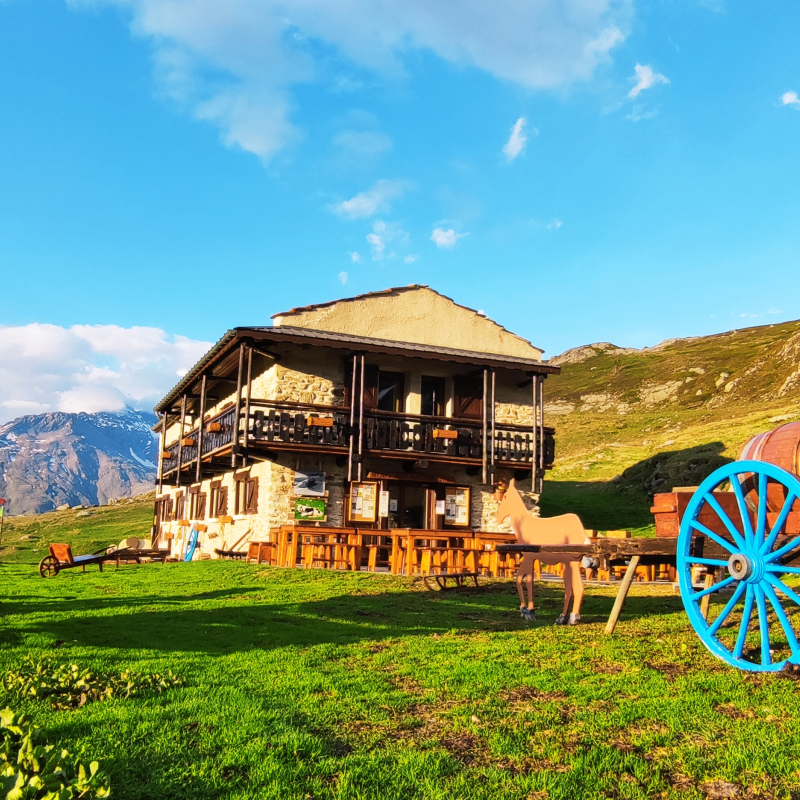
column 247, row 404
column 200, row 428
column 706, row 600
column 238, row 410
column 162, row 443
column 180, row 440
column 352, row 420
column 361, row 423
column 484, row 462
column 630, row 574
column 491, row 452
column 540, row 476
column 535, row 432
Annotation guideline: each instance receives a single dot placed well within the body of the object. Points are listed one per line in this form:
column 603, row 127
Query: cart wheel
column 753, row 569
column 48, row 567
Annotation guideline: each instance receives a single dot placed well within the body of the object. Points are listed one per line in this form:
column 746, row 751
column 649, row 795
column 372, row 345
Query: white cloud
column 89, row 367
column 382, row 234
column 516, row 141
column 556, row 223
column 446, row 239
column 234, row 63
column 355, row 258
column 645, row 79
column 365, row 143
column 638, row 113
column 790, row 99
column 373, row 201
column 410, row 259
column 343, row 276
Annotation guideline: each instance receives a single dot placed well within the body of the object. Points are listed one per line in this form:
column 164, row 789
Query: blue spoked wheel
column 752, row 569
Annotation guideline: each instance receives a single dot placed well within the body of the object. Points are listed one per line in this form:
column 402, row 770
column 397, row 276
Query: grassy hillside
column 630, row 423
column 26, row 539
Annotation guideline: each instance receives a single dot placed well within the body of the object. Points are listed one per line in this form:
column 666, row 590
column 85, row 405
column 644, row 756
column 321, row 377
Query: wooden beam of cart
column 637, row 552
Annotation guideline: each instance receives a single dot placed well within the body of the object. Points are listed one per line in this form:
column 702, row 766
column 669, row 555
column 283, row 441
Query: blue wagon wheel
column 753, row 568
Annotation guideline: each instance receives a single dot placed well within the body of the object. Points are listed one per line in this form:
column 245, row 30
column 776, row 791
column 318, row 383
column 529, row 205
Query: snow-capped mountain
column 47, row 460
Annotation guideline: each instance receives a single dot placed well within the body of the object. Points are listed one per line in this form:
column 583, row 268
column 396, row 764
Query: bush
column 67, row 686
column 33, row 770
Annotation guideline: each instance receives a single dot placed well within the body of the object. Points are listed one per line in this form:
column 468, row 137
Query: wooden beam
column 238, row 405
column 630, row 574
column 247, row 405
column 180, row 440
column 200, row 426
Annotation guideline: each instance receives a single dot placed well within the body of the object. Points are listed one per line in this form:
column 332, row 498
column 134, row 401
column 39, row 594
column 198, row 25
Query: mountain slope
column 633, row 422
column 48, row 460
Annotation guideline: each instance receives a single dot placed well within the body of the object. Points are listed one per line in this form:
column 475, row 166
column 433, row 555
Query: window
column 180, row 506
column 468, row 396
column 391, row 396
column 197, row 504
column 218, row 500
column 432, row 397
column 251, row 496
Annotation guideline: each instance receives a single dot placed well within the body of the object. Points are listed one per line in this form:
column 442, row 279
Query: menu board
column 363, row 502
column 456, row 505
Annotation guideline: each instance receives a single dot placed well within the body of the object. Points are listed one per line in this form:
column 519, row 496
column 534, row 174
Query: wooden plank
column 630, row 573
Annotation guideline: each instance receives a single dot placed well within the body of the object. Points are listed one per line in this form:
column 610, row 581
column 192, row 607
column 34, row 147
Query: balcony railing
column 315, row 428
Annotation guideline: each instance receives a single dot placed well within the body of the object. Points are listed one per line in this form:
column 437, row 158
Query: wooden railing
column 296, row 426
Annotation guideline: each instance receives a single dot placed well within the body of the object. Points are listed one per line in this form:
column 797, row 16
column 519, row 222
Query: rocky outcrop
column 577, row 355
column 51, row 460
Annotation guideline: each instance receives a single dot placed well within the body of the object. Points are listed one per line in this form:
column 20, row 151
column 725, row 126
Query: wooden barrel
column 780, row 447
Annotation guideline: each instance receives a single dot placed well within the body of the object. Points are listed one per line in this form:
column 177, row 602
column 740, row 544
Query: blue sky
column 192, row 165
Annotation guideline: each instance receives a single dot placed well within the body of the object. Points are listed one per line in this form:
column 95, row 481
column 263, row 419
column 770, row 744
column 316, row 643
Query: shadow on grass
column 624, row 502
column 168, row 625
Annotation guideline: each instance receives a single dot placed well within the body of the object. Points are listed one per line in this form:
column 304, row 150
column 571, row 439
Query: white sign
column 383, row 505
column 439, row 508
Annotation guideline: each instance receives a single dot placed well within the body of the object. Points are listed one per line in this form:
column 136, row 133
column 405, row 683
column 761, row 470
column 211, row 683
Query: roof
column 350, row 342
column 394, row 290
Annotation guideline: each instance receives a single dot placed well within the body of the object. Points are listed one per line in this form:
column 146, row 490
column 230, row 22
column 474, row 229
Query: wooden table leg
column 630, row 574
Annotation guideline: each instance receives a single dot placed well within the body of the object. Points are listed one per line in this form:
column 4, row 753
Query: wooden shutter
column 371, row 375
column 222, row 503
column 200, row 513
column 251, row 496
column 468, row 397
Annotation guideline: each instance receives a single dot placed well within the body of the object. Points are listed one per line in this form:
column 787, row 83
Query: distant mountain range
column 49, row 460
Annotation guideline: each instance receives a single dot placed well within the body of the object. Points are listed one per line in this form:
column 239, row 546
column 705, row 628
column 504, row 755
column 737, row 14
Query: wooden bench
column 458, row 578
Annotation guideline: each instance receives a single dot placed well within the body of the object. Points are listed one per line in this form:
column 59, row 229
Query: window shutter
column 251, row 492
column 201, row 506
column 222, row 503
column 371, row 375
column 468, row 397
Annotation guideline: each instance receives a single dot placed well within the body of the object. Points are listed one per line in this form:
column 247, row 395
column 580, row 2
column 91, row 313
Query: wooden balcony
column 275, row 427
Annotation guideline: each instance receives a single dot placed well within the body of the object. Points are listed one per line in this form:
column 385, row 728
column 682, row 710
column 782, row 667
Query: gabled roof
column 414, row 313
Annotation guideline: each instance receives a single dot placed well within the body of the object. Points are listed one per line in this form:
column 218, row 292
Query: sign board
column 310, row 509
column 309, row 484
column 456, row 505
column 363, row 502
column 383, row 505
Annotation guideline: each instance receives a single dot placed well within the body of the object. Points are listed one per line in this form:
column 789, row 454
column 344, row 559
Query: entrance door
column 415, row 506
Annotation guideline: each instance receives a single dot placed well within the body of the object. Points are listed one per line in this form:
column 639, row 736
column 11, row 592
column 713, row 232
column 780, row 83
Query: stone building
column 389, row 410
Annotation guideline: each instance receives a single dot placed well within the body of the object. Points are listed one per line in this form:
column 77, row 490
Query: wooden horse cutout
column 565, row 529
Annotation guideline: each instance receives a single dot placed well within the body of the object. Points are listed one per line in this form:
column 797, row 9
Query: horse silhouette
column 565, row 529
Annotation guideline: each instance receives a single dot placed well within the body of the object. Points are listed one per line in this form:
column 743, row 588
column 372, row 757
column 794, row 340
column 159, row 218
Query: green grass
column 313, row 684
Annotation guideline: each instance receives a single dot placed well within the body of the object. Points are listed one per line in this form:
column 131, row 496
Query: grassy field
column 312, row 684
